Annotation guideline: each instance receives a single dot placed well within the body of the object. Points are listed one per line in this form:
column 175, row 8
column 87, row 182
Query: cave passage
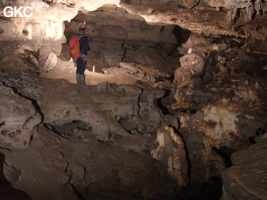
column 174, row 103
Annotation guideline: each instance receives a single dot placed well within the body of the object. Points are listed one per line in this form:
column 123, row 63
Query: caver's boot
column 82, row 80
column 78, row 79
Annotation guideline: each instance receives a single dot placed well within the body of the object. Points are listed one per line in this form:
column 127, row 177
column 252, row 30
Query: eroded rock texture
column 246, row 179
column 18, row 119
column 108, row 143
column 177, row 95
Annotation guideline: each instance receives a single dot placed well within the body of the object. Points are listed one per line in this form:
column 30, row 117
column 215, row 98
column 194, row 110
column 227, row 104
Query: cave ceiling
column 243, row 20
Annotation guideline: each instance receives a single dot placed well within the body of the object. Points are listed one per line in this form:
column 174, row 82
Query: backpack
column 74, row 47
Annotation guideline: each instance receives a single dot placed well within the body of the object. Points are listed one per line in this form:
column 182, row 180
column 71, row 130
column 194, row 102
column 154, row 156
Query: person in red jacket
column 82, row 60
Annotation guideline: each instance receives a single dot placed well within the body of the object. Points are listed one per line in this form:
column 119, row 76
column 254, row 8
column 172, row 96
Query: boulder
column 47, row 59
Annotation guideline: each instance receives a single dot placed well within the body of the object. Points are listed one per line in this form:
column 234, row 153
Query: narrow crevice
column 139, row 84
column 171, row 78
column 51, row 128
column 227, row 156
column 195, row 4
column 124, row 50
column 212, row 189
column 261, row 130
column 77, row 193
column 252, row 140
column 158, row 102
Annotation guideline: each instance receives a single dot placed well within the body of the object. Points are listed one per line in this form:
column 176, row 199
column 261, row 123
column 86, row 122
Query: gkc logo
column 20, row 11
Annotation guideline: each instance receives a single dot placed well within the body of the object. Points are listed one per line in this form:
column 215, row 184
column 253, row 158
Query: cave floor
column 66, row 70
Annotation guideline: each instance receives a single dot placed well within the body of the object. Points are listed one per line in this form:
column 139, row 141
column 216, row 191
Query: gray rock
column 102, row 87
column 18, row 119
column 47, row 59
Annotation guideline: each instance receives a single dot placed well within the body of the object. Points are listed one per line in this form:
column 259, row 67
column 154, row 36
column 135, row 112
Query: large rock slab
column 247, row 178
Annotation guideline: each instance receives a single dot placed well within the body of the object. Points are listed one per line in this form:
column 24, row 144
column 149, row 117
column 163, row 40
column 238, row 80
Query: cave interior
column 174, row 105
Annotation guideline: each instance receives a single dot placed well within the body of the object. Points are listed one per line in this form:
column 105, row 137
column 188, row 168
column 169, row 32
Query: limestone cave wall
column 175, row 106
